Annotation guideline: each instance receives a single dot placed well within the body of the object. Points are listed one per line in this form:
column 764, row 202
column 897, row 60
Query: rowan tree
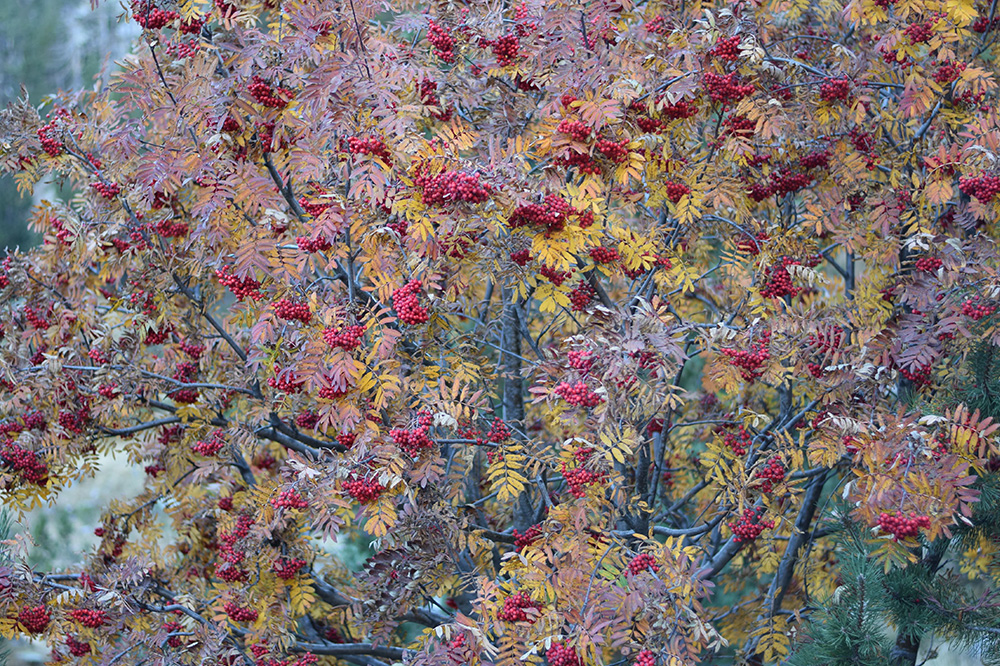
column 620, row 330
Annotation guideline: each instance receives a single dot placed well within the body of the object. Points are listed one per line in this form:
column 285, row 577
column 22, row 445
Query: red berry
column 901, row 526
column 34, row 618
column 364, row 490
column 514, row 608
column 407, row 305
column 642, row 562
column 292, row 310
column 289, row 499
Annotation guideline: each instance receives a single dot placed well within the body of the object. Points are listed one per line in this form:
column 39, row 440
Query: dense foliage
column 627, row 333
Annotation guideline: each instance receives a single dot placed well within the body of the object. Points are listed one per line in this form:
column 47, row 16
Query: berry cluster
column 230, row 573
column 581, row 297
column 578, row 394
column 524, row 26
column 835, row 90
column 727, row 48
column 318, row 244
column 150, row 17
column 171, row 229
column 675, row 191
column 505, row 49
column 36, row 318
column 750, row 362
column 919, row 33
column 289, row 499
column 983, row 187
column 928, row 264
column 34, row 618
column 616, row 151
column 89, row 618
column 985, row 24
column 407, row 304
column 972, row 308
column 649, row 125
column 786, row 182
column 452, row 186
column 554, row 276
column 443, row 43
column 227, row 552
column 307, row 420
column 330, row 391
column 26, row 462
column 170, row 628
column 779, row 280
column 225, row 503
column 726, row 89
column 108, row 391
column 920, row 375
column 428, row 96
column 552, row 213
column 374, row 147
column 313, row 209
column 530, row 536
column 210, row 448
column 262, row 92
column 242, row 288
column 657, row 25
column 185, row 372
column 578, row 478
column 682, row 109
column 498, row 432
column 414, row 440
column 901, row 526
column 52, row 146
column 817, row 159
column 364, row 490
column 183, row 49
column 948, row 72
column 604, row 255
column 157, row 336
column 645, row 658
column 826, row 342
column 193, row 25
column 738, row 442
column 239, row 613
column 76, row 648
column 521, row 257
column 514, row 608
column 642, row 562
column 185, row 396
column 347, row 337
column 576, row 129
column 292, row 310
column 749, row 526
column 562, row 655
column 74, row 421
column 192, row 349
column 772, row 473
column 287, row 568
column 738, row 125
column 752, row 246
column 106, row 190
column 583, row 162
column 580, row 360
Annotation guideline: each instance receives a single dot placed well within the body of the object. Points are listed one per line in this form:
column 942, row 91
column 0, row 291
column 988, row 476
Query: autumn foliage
column 603, row 323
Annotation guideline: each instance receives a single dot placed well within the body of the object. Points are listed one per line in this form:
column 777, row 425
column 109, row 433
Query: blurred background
column 47, row 46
